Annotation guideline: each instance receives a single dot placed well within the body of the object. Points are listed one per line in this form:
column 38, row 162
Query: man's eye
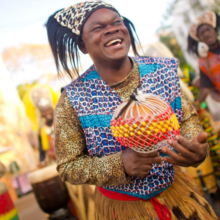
column 97, row 28
column 117, row 22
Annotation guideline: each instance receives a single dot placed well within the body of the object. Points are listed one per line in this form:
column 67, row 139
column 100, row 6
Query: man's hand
column 189, row 152
column 139, row 164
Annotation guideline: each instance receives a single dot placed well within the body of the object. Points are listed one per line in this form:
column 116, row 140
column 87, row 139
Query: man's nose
column 111, row 30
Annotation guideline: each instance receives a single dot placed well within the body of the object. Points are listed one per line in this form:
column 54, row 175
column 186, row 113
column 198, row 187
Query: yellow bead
column 120, row 135
column 159, row 126
column 154, row 124
column 142, row 129
column 156, row 130
column 163, row 130
column 122, row 127
column 126, row 135
column 165, row 126
column 135, row 125
column 117, row 128
column 126, row 125
column 139, row 133
column 161, row 122
column 167, row 122
column 143, row 123
column 115, row 135
column 125, row 130
column 112, row 127
column 151, row 128
column 121, row 131
column 131, row 134
column 131, row 129
column 169, row 128
column 148, row 132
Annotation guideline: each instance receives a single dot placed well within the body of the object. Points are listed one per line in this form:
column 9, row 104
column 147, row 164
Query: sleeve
column 205, row 82
column 73, row 162
column 191, row 126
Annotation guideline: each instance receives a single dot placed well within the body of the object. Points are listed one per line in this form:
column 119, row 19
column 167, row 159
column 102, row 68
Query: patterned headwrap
column 74, row 17
column 207, row 18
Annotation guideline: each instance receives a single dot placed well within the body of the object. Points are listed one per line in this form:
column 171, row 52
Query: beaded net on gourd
column 145, row 123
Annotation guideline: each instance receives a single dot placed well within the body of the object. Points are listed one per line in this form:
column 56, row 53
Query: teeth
column 113, row 41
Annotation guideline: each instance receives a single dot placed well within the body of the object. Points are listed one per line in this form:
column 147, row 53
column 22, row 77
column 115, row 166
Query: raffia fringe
column 182, row 199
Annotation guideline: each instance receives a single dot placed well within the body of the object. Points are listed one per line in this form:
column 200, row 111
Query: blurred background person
column 40, row 102
column 203, row 41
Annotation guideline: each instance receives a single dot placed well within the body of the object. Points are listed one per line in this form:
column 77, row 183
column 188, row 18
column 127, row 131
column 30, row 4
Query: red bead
column 142, row 145
column 149, row 144
column 155, row 142
column 137, row 121
column 145, row 137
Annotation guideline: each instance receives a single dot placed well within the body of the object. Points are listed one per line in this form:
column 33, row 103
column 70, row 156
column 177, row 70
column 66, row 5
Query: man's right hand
column 139, row 164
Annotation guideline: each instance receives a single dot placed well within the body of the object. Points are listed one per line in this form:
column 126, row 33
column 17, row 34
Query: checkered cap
column 75, row 16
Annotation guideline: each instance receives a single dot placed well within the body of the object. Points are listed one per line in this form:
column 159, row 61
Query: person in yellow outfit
column 40, row 102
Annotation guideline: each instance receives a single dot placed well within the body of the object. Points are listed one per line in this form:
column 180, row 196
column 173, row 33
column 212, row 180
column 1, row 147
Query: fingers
column 151, row 160
column 183, row 146
column 182, row 142
column 180, row 161
column 148, row 155
column 146, row 168
column 201, row 138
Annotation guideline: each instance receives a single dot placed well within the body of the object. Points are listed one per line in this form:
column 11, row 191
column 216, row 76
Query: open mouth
column 115, row 42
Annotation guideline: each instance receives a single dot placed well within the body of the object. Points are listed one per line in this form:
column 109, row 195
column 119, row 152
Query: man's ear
column 82, row 47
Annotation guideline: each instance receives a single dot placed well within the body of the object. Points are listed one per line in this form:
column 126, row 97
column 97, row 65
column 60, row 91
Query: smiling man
column 130, row 185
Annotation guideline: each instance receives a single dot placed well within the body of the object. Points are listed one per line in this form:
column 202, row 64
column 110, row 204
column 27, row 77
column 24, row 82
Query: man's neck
column 115, row 72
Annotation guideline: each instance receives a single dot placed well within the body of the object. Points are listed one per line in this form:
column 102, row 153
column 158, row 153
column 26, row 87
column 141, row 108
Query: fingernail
column 164, row 149
column 177, row 138
column 170, row 142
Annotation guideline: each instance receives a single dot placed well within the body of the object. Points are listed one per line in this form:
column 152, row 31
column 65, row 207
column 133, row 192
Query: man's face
column 207, row 34
column 105, row 37
column 47, row 114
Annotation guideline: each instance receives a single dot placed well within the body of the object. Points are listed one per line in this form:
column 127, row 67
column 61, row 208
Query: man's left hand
column 189, row 152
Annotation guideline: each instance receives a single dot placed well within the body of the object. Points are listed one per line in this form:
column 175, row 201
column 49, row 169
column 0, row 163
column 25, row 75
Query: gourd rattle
column 144, row 123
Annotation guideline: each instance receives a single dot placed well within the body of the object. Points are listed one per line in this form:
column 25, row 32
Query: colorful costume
column 209, row 62
column 87, row 152
column 207, row 124
column 40, row 97
column 102, row 165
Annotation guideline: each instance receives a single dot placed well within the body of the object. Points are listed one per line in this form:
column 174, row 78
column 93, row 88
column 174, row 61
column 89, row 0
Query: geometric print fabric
column 95, row 103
